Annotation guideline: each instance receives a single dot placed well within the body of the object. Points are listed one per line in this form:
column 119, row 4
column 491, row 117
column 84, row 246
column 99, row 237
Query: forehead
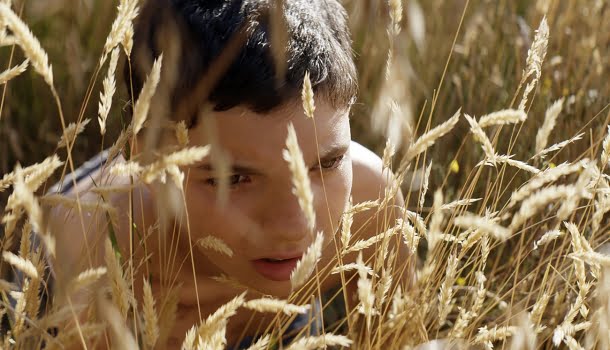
column 251, row 136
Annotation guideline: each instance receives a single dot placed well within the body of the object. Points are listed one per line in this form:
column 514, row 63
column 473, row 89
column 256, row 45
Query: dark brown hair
column 316, row 40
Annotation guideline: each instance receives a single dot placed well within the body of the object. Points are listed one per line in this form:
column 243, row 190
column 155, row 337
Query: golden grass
column 511, row 247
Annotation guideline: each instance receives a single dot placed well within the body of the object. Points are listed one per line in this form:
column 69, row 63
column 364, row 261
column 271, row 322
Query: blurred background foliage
column 482, row 75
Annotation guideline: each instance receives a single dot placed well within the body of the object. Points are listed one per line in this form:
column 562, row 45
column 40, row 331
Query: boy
column 251, row 106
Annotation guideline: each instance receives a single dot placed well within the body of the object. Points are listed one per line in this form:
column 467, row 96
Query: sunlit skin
column 262, row 217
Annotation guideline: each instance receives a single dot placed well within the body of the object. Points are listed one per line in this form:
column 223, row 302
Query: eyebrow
column 235, row 168
column 333, row 152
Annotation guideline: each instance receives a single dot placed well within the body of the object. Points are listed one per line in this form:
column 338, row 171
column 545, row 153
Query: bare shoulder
column 370, row 180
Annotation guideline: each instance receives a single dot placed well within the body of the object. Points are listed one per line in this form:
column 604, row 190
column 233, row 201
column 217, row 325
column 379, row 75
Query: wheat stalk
column 109, row 88
column 28, row 43
column 549, row 175
column 537, row 201
column 351, row 267
column 346, row 224
column 484, row 224
column 307, row 96
column 512, row 162
column 428, row 139
column 558, row 146
column 120, row 290
column 606, row 149
column 276, row 306
column 550, row 118
column 481, row 137
column 424, row 187
column 22, row 264
column 261, row 344
column 503, row 117
column 535, row 57
column 140, row 110
column 321, row 341
column 122, row 28
column 182, row 134
column 307, row 264
column 548, row 237
column 216, row 244
column 71, row 132
column 87, row 277
column 388, row 153
column 212, row 331
column 13, row 72
column 151, row 322
column 300, row 180
column 459, row 203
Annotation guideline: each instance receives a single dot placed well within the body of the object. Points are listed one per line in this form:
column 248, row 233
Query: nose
column 282, row 218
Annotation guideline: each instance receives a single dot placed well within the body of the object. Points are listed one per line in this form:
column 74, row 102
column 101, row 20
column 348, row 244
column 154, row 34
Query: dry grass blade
column 122, row 27
column 424, row 188
column 365, row 291
column 211, row 334
column 484, row 224
column 321, row 341
column 140, row 110
column 445, row 294
column 28, row 42
column 548, row 237
column 550, row 118
column 346, row 224
column 216, row 244
column 351, row 267
column 503, row 117
column 428, row 139
column 182, row 134
column 459, row 203
column 151, row 321
column 261, row 344
column 606, row 149
column 307, row 95
column 122, row 338
column 71, row 132
column 395, row 15
column 87, row 277
column 13, row 72
column 481, row 137
column 120, row 290
column 307, row 264
column 512, row 162
column 556, row 147
column 549, row 175
column 537, row 201
column 592, row 258
column 537, row 52
column 109, row 88
column 363, row 206
column 363, row 244
column 276, row 306
column 300, row 180
column 22, row 264
column 169, row 163
column 388, row 153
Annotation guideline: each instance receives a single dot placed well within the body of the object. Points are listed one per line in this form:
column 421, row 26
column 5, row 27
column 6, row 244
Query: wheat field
column 492, row 118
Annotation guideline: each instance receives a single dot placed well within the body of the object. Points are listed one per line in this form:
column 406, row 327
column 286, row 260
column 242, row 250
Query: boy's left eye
column 330, row 163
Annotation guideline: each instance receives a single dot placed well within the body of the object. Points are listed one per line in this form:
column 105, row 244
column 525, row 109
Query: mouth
column 275, row 269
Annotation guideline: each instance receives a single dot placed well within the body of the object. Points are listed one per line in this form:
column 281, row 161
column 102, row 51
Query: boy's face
column 262, row 218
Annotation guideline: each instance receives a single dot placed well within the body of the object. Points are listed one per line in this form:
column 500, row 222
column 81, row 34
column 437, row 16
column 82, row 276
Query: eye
column 332, row 163
column 233, row 180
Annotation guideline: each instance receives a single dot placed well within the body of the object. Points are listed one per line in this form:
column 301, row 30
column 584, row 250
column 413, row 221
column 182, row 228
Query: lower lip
column 275, row 271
